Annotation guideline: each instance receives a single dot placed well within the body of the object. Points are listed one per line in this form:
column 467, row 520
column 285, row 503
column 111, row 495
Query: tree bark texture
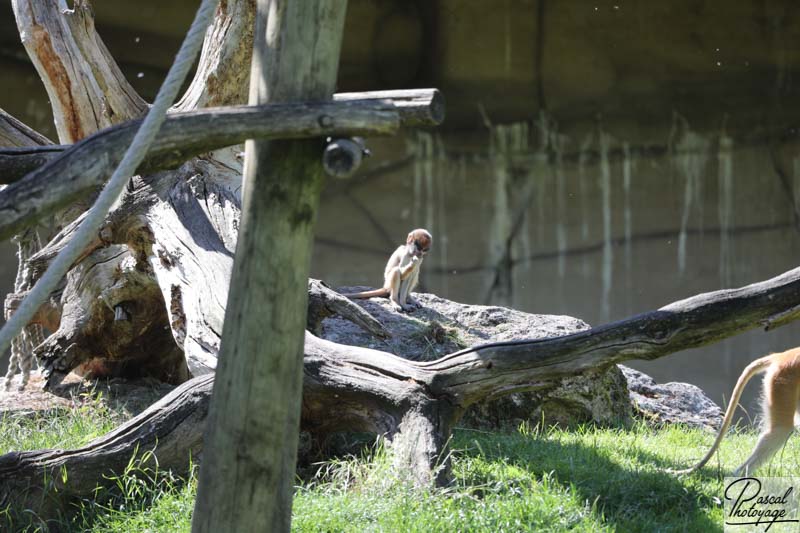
column 246, row 479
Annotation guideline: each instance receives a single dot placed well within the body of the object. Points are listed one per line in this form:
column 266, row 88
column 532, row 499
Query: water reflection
column 589, row 224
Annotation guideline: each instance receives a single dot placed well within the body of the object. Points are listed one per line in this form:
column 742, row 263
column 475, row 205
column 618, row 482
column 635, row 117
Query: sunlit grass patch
column 58, row 428
column 585, row 479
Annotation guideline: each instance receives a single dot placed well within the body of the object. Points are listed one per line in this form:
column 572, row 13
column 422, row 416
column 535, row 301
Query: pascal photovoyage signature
column 751, row 507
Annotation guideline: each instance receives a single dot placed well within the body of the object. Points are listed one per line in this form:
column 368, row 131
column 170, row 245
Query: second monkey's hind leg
column 780, row 406
column 769, row 442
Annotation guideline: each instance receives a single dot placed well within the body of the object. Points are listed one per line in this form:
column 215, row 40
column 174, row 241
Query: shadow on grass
column 624, row 497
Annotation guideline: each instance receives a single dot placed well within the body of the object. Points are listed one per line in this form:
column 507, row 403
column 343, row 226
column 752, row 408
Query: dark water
column 582, row 224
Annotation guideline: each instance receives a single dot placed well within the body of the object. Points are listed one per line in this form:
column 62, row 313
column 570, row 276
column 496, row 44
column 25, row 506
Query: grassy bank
column 589, row 479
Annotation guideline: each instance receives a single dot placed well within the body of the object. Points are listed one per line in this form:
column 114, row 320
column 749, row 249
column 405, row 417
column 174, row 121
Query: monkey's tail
column 756, row 367
column 369, row 294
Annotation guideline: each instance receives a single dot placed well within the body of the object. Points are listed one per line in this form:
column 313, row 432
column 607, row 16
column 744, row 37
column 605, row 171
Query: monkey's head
column 419, row 242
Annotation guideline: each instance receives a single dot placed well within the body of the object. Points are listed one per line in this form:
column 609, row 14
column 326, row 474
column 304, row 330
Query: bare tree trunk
column 247, row 475
column 174, row 228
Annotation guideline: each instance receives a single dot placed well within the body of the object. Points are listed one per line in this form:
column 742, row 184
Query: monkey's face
column 419, row 242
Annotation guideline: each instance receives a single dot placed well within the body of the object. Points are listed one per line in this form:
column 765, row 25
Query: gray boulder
column 442, row 326
column 671, row 403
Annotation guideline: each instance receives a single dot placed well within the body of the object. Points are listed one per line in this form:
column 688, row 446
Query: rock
column 438, row 328
column 671, row 403
column 442, row 326
column 611, row 397
column 600, row 398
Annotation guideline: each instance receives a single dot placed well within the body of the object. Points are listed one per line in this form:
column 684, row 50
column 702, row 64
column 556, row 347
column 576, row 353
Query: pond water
column 588, row 224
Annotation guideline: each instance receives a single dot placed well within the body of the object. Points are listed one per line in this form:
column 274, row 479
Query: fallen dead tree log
column 413, row 404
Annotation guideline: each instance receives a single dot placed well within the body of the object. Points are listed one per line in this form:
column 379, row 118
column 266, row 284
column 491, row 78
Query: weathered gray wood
column 417, row 107
column 112, row 317
column 15, row 163
column 324, row 302
column 15, row 133
column 248, row 470
column 79, row 169
column 703, row 319
column 68, row 176
column 414, row 108
column 224, row 68
column 85, row 86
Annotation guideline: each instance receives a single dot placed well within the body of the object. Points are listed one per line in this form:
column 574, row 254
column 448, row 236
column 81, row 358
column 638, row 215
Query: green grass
column 590, row 479
column 59, row 428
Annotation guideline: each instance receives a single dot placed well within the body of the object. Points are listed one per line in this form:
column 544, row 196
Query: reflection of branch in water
column 786, row 185
column 598, row 246
column 365, row 177
column 503, row 140
column 539, row 57
column 642, row 151
column 371, row 219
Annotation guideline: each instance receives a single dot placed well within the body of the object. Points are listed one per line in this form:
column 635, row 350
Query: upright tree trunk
column 249, row 459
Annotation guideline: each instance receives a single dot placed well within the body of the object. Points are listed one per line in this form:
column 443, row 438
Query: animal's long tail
column 756, row 367
column 369, row 294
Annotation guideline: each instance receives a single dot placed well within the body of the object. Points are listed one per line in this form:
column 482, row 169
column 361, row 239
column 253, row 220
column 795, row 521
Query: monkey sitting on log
column 402, row 272
column 779, row 403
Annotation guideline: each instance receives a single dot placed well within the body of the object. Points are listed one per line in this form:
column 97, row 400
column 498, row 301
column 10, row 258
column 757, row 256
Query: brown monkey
column 402, row 272
column 780, row 403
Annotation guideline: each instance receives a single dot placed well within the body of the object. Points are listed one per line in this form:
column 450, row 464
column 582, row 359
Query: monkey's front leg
column 408, row 280
column 393, row 280
column 412, row 283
